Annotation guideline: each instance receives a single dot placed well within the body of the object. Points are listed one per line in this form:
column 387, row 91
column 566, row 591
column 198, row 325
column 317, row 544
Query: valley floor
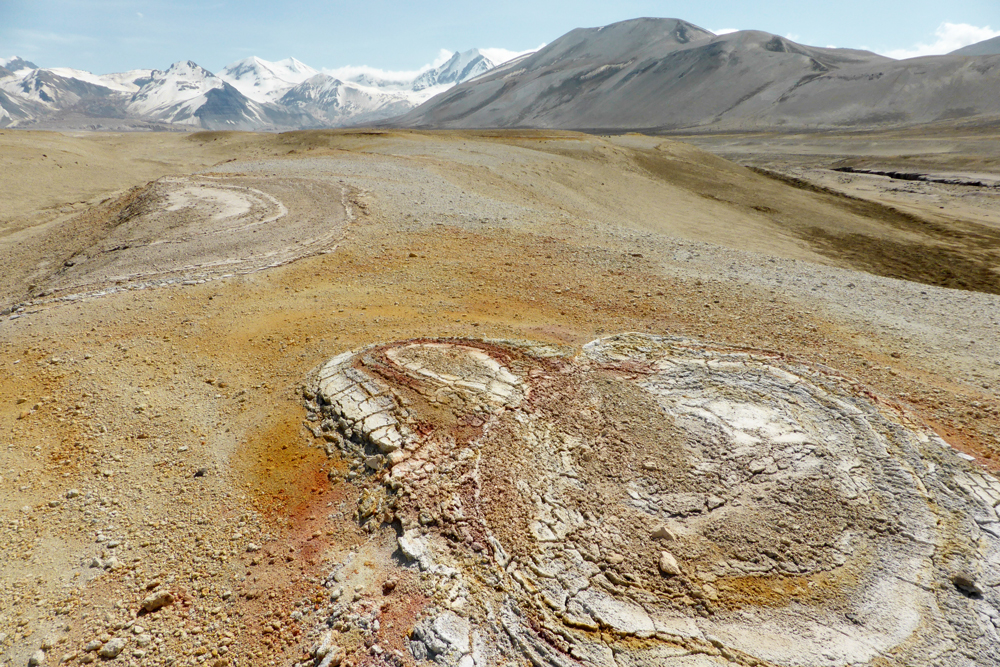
column 166, row 298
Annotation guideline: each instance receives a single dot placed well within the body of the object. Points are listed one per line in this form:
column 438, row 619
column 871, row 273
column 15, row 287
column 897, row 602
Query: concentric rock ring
column 652, row 500
column 201, row 227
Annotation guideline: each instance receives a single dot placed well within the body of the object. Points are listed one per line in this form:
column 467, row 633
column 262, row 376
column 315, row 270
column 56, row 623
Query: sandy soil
column 155, row 435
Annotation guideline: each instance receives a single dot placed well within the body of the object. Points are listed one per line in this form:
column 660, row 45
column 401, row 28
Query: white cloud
column 351, row 72
column 444, row 55
column 401, row 77
column 949, row 36
column 725, row 31
column 499, row 56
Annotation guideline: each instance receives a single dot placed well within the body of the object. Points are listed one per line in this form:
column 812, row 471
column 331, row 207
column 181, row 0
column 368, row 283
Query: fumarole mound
column 652, row 500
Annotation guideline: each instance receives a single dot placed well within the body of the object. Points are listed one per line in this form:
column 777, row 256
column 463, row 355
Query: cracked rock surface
column 652, row 500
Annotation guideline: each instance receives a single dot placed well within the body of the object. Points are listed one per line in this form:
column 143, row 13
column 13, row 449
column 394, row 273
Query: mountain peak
column 461, row 67
column 15, row 64
column 265, row 81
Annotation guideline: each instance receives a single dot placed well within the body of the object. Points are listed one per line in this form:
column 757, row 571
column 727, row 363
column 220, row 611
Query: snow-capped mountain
column 46, row 91
column 250, row 94
column 173, row 95
column 264, row 81
column 333, row 102
column 459, row 69
column 187, row 94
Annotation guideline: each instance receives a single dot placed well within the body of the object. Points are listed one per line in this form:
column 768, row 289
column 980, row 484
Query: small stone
column 966, row 583
column 72, row 493
column 668, row 564
column 251, row 548
column 664, row 533
column 201, row 472
column 418, row 649
column 156, row 601
column 388, row 586
column 411, row 545
column 112, row 649
column 93, row 645
column 37, row 658
column 55, row 503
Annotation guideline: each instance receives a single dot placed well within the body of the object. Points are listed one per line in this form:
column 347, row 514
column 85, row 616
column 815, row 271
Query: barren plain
column 490, row 398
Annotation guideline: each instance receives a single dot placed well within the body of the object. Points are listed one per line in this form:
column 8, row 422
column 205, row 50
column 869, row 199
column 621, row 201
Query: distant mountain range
column 252, row 94
column 644, row 74
column 669, row 75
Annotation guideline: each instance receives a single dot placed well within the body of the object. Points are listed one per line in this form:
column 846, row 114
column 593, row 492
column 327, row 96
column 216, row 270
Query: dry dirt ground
column 169, row 300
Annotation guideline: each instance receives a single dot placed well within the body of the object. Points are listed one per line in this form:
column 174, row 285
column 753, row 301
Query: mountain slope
column 666, row 74
column 989, row 47
column 15, row 110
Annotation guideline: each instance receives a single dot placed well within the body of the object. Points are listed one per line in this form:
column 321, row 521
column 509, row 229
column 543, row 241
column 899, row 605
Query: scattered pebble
column 112, row 649
column 668, row 564
column 156, row 601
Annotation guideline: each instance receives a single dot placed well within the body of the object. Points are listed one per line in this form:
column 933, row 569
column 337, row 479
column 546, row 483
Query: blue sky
column 114, row 35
